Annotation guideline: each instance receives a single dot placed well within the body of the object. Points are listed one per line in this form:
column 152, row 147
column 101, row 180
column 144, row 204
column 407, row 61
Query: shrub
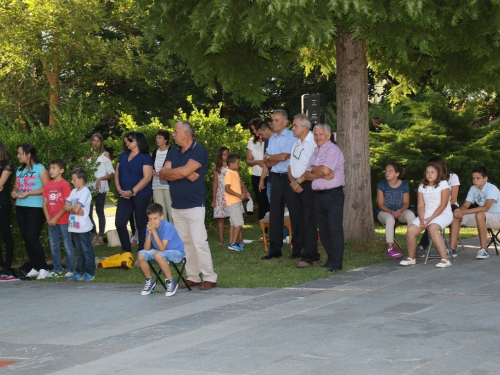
column 68, row 141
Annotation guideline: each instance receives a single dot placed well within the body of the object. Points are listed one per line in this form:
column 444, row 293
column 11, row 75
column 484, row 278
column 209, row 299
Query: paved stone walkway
column 382, row 319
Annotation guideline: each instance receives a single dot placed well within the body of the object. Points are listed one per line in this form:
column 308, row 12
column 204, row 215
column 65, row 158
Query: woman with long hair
column 99, row 183
column 5, row 209
column 255, row 159
column 31, row 176
column 134, row 172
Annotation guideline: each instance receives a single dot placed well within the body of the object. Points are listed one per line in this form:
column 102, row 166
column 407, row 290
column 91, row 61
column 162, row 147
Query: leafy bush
column 68, row 141
column 441, row 128
column 211, row 131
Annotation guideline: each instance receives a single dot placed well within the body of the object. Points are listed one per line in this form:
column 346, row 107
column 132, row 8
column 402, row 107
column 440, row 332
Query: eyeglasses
column 132, row 139
column 300, row 153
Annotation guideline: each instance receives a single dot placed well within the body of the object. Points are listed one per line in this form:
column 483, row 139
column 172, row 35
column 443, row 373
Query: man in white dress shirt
column 304, row 195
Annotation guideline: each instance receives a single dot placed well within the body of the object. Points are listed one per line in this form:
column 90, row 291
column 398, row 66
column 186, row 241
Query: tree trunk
column 352, row 135
column 52, row 72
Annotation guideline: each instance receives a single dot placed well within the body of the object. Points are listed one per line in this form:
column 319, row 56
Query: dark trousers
column 138, row 205
column 99, row 209
column 329, row 216
column 260, row 197
column 30, row 221
column 306, row 217
column 281, row 194
column 5, row 222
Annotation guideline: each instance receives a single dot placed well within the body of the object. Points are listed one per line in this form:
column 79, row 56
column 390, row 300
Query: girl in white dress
column 434, row 214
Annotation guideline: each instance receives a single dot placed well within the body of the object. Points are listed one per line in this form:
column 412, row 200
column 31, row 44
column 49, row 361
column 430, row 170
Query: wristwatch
column 268, row 157
column 297, row 181
column 133, row 193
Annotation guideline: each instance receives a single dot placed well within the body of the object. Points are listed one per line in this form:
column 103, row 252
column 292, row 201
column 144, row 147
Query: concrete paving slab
column 381, row 319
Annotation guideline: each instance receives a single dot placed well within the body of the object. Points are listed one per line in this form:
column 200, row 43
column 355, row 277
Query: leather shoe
column 190, row 283
column 326, row 265
column 270, row 256
column 333, row 269
column 295, row 256
column 303, row 264
column 207, row 285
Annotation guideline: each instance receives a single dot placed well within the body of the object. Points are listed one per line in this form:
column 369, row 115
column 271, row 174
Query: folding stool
column 493, row 239
column 158, row 273
column 448, row 248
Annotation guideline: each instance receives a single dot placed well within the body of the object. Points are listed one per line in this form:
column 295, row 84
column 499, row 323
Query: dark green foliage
column 441, row 129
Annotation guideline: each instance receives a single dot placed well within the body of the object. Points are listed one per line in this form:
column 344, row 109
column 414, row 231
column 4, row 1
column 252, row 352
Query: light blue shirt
column 279, row 144
column 479, row 197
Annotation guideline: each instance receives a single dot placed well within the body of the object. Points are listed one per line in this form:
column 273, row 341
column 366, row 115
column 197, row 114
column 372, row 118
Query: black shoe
column 333, row 269
column 271, row 256
column 295, row 256
column 326, row 265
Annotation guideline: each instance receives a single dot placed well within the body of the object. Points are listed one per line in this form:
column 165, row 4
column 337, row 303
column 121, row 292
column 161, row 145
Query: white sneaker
column 43, row 274
column 443, row 265
column 482, row 254
column 33, row 273
column 408, row 262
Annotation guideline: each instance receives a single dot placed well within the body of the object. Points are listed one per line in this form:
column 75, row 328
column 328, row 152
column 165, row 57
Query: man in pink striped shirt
column 326, row 171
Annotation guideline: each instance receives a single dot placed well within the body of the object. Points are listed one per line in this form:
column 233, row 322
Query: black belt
column 328, row 190
column 280, row 174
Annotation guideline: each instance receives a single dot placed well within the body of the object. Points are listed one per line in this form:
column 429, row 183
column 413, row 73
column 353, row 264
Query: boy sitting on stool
column 486, row 215
column 167, row 247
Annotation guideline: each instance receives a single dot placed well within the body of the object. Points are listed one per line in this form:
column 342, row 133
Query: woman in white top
column 255, row 159
column 103, row 173
column 161, row 190
column 454, row 184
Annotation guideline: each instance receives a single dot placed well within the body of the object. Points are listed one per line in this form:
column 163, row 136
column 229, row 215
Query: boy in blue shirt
column 167, row 247
column 486, row 215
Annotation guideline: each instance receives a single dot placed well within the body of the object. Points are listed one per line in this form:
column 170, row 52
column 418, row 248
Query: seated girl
column 393, row 199
column 434, row 214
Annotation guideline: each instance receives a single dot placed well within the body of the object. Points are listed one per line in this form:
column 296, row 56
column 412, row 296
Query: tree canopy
column 239, row 44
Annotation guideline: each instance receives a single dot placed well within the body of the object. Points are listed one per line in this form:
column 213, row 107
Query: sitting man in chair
column 486, row 215
column 167, row 247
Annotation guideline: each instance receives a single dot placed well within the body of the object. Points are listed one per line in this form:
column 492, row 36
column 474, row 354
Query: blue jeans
column 61, row 230
column 99, row 209
column 85, row 260
column 174, row 256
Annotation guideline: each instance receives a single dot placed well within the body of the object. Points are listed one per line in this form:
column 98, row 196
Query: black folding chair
column 493, row 239
column 180, row 272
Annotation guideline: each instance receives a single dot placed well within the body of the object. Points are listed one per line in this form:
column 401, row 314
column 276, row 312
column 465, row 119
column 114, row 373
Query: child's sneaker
column 33, row 273
column 75, row 277
column 393, row 253
column 420, row 252
column 88, row 277
column 149, row 287
column 171, row 287
column 5, row 278
column 43, row 274
column 54, row 275
column 68, row 274
column 482, row 254
column 236, row 247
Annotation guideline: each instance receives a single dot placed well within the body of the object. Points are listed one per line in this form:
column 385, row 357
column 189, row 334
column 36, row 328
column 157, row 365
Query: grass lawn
column 245, row 269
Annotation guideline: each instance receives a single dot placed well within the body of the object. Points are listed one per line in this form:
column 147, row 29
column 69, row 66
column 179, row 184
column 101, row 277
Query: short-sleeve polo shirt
column 185, row 193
